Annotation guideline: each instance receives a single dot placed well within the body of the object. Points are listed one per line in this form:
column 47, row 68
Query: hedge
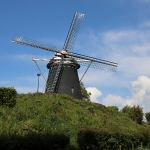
column 34, row 141
column 8, row 96
column 100, row 140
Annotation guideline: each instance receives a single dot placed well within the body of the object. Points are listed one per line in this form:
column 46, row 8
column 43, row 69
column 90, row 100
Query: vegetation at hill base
column 85, row 94
column 134, row 112
column 58, row 121
column 147, row 116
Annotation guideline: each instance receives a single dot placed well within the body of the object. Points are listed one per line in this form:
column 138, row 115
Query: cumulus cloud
column 140, row 90
column 113, row 100
column 95, row 93
column 130, row 48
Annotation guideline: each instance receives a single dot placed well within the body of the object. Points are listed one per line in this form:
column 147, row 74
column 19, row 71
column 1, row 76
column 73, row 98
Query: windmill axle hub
column 69, row 61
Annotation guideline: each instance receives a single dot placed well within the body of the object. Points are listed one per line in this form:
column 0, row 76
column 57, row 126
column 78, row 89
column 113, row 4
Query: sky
column 116, row 31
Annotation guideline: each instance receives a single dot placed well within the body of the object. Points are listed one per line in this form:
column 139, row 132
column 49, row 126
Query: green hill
column 62, row 115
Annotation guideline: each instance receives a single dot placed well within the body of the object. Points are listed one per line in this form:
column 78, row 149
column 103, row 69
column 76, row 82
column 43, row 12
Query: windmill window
column 72, row 90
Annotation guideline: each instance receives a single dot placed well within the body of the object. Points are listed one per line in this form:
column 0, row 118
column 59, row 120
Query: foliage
column 8, row 96
column 147, row 116
column 110, row 140
column 134, row 112
column 113, row 108
column 85, row 94
column 34, row 141
column 40, row 116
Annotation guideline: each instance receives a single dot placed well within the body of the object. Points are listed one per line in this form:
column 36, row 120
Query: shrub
column 147, row 116
column 100, row 140
column 134, row 112
column 34, row 141
column 90, row 108
column 87, row 140
column 8, row 96
column 113, row 108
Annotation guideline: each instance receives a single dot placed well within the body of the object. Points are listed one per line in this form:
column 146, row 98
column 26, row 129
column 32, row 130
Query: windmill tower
column 63, row 75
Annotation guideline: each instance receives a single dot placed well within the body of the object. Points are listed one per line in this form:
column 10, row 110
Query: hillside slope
column 53, row 113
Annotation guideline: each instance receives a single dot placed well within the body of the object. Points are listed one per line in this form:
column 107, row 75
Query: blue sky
column 117, row 31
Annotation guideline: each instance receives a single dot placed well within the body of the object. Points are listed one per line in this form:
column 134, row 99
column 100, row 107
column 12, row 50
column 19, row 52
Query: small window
column 72, row 90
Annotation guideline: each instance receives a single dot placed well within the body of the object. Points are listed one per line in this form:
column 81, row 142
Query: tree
column 113, row 108
column 134, row 112
column 85, row 94
column 147, row 116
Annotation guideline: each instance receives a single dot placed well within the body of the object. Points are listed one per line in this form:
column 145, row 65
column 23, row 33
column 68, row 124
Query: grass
column 53, row 113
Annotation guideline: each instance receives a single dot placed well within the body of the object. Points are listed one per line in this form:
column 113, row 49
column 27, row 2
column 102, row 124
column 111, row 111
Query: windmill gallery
column 63, row 75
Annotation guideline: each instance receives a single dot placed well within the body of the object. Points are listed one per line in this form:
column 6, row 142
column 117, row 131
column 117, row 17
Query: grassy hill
column 53, row 113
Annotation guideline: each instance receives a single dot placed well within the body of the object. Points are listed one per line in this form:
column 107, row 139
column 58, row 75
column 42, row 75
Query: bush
column 100, row 140
column 113, row 108
column 87, row 140
column 147, row 116
column 134, row 112
column 85, row 94
column 8, row 97
column 34, row 141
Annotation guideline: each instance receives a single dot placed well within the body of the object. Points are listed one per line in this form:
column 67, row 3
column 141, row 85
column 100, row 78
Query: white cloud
column 141, row 92
column 95, row 93
column 130, row 48
column 145, row 24
column 127, row 43
column 113, row 100
column 140, row 95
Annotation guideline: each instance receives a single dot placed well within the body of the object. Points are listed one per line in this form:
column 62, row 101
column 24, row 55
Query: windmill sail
column 33, row 43
column 73, row 31
column 94, row 62
column 82, row 59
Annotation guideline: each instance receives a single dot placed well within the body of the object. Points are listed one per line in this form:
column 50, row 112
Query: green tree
column 113, row 108
column 147, row 116
column 85, row 94
column 134, row 112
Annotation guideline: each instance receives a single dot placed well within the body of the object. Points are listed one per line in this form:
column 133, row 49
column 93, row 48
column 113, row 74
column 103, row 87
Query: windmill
column 63, row 75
